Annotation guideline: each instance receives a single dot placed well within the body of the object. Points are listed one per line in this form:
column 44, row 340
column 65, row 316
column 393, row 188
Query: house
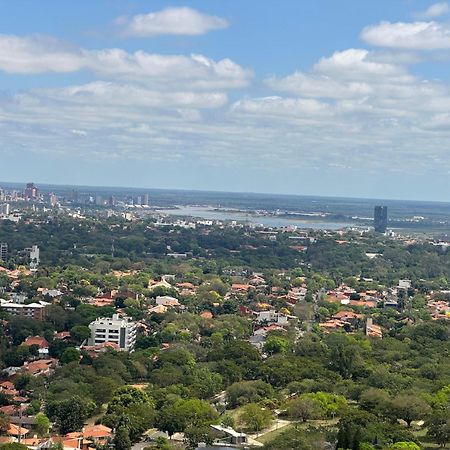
column 372, row 329
column 264, row 330
column 189, row 286
column 6, row 385
column 96, row 434
column 40, row 342
column 206, row 315
column 35, row 443
column 158, row 309
column 349, row 316
column 272, row 316
column 40, row 367
column 152, row 285
column 227, row 435
column 95, row 350
column 167, row 300
column 102, row 301
column 186, row 289
column 13, row 410
column 334, row 325
column 241, row 288
column 16, row 431
column 52, row 293
column 62, row 335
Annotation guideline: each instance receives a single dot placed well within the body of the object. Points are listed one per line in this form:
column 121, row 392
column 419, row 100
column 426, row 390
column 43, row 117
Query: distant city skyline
column 326, row 98
column 143, row 191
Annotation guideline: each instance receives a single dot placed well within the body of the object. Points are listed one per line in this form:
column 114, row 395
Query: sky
column 336, row 98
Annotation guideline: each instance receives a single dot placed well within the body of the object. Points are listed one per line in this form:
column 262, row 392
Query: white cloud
column 176, row 21
column 319, row 86
column 38, row 54
column 349, row 74
column 413, row 36
column 354, row 108
column 282, row 107
column 32, row 55
column 108, row 93
column 196, row 70
column 434, row 11
column 79, row 133
column 357, row 64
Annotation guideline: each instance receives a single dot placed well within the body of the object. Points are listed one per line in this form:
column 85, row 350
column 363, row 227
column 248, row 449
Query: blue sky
column 345, row 98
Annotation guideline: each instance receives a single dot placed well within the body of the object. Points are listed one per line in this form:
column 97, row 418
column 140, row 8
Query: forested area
column 190, row 369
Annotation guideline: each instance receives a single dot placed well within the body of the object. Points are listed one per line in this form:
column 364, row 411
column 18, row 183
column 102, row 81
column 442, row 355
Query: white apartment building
column 34, row 257
column 116, row 329
column 5, row 210
column 3, row 251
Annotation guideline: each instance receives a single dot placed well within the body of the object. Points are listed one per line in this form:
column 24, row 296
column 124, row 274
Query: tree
column 350, row 429
column 162, row 443
column 122, row 439
column 344, row 354
column 70, row 354
column 14, row 446
column 127, row 396
column 132, row 407
column 255, row 418
column 276, row 344
column 438, row 426
column 170, row 420
column 409, row 408
column 22, row 381
column 194, row 434
column 42, row 424
column 184, row 413
column 4, row 423
column 304, row 408
column 80, row 333
column 375, row 400
column 404, row 446
column 331, row 404
column 228, row 421
column 69, row 415
column 244, row 392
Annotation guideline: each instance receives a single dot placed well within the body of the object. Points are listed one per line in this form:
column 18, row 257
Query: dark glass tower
column 380, row 219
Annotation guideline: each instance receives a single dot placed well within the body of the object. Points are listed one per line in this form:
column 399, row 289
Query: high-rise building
column 52, row 199
column 144, row 200
column 74, row 196
column 116, row 329
column 99, row 200
column 3, row 252
column 31, row 192
column 34, row 257
column 380, row 219
column 4, row 209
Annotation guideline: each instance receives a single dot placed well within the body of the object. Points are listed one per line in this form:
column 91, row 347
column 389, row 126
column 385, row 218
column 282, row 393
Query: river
column 210, row 213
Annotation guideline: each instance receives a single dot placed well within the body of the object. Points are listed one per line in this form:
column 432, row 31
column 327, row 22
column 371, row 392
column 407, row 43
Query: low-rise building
column 36, row 310
column 40, row 342
column 167, row 300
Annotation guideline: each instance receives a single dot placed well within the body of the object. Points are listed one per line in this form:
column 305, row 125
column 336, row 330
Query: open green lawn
column 425, row 441
column 272, row 434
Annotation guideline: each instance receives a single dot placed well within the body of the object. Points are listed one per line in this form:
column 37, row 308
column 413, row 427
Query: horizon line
column 45, row 184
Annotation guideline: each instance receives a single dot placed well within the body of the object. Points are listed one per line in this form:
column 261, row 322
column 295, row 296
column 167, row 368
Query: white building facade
column 116, row 329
